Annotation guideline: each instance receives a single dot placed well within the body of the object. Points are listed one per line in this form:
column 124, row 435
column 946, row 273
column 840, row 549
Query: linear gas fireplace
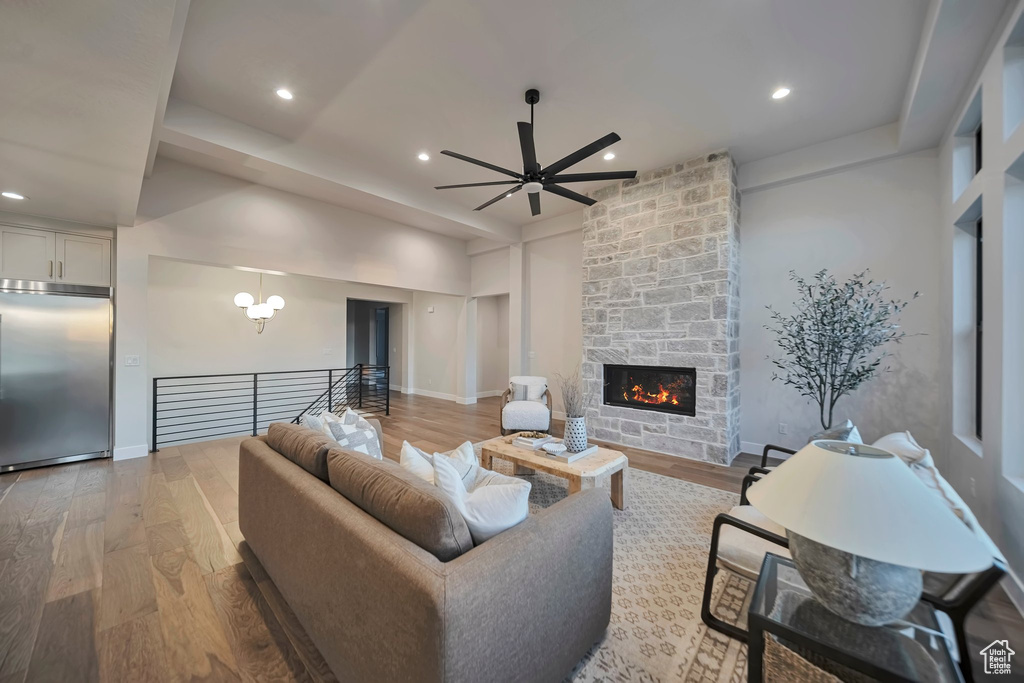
column 648, row 387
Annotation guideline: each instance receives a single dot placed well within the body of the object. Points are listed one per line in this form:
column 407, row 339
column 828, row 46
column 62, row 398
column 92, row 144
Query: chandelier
column 259, row 313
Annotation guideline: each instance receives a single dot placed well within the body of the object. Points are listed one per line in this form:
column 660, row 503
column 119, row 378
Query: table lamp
column 862, row 527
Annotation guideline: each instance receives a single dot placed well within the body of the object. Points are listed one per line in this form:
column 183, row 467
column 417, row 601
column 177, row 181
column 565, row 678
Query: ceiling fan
column 533, row 179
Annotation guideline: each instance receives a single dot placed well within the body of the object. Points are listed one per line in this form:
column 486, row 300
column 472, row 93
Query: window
column 977, row 149
column 967, row 361
column 978, row 317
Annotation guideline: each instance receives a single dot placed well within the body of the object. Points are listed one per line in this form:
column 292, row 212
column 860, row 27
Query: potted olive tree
column 833, row 342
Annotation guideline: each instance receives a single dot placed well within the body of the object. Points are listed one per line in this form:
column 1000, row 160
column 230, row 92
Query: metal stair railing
column 202, row 407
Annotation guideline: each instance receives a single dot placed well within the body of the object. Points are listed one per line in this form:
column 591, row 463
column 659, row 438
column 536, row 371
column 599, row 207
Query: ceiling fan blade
column 471, row 160
column 569, row 194
column 584, row 177
column 529, row 151
column 581, row 154
column 496, row 182
column 500, row 196
column 535, row 203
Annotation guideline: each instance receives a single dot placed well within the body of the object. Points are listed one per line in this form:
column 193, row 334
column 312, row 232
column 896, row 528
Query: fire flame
column 662, row 396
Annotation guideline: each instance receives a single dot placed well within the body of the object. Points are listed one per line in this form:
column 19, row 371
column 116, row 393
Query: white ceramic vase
column 575, row 437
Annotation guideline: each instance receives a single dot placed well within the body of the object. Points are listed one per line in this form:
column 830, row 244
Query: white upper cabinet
column 83, row 260
column 46, row 256
column 27, row 254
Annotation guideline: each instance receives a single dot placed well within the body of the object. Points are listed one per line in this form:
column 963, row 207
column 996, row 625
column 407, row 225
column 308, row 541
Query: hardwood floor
column 132, row 570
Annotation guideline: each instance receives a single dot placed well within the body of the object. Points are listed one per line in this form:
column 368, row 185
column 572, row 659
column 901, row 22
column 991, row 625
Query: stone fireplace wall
column 661, row 287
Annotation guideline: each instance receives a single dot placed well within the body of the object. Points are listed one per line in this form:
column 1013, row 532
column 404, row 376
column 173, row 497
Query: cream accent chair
column 533, row 414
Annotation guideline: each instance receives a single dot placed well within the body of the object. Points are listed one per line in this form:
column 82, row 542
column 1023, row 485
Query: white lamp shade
column 870, row 504
column 276, row 302
column 244, row 300
column 253, row 312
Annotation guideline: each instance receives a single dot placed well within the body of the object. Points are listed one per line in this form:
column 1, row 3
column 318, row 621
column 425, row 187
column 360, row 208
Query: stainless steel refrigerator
column 55, row 373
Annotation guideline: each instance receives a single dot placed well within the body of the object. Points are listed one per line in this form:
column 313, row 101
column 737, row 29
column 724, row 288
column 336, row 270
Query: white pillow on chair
column 535, row 386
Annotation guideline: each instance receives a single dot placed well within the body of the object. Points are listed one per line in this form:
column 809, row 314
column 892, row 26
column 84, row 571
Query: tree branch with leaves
column 834, row 341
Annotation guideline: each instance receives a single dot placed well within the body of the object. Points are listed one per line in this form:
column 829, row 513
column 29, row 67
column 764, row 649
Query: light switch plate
column 430, row 309
column 131, row 361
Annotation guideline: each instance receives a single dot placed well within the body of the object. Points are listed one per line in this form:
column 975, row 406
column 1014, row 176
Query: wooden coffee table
column 585, row 473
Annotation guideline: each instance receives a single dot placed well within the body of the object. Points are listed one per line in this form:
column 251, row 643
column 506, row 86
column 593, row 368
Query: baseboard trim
column 129, row 452
column 465, row 400
column 431, row 394
column 490, row 393
column 1015, row 590
column 398, row 387
column 751, row 447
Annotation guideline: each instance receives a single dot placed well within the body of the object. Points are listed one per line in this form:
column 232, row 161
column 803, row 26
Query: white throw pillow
column 418, row 462
column 519, row 392
column 844, row 432
column 312, row 422
column 356, row 438
column 495, row 504
column 904, row 445
column 535, row 386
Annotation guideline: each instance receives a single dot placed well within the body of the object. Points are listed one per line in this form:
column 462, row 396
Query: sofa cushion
column 301, row 445
column 401, row 501
column 525, row 415
column 743, row 553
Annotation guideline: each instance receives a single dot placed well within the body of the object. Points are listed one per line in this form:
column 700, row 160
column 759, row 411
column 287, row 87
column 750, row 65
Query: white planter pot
column 575, row 437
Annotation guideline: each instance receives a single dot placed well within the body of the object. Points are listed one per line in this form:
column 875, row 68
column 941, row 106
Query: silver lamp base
column 857, row 589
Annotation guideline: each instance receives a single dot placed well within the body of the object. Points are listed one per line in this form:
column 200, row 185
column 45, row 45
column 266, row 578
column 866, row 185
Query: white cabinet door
column 27, row 254
column 83, row 260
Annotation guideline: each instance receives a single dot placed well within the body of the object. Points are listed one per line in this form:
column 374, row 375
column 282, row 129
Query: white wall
column 553, row 300
column 490, row 273
column 436, row 345
column 191, row 214
column 492, row 345
column 883, row 216
column 194, row 328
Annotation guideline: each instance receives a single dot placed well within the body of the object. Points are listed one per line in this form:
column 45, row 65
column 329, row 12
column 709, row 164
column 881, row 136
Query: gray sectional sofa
column 381, row 570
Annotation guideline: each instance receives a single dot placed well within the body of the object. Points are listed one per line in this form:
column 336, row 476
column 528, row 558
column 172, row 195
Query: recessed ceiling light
column 608, row 156
column 284, row 93
column 780, row 93
column 423, row 156
column 12, row 195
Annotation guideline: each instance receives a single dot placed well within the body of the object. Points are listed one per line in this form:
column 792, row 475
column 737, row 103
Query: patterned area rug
column 661, row 550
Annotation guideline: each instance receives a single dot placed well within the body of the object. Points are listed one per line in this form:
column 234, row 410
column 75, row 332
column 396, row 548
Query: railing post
column 155, row 449
column 255, row 380
column 330, row 391
column 387, row 390
column 360, row 385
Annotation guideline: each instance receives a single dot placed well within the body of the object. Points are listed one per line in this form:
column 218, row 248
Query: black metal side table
column 785, row 617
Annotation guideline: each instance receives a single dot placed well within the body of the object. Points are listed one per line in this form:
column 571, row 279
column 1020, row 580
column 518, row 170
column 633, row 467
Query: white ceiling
column 379, row 82
column 79, row 85
column 84, row 85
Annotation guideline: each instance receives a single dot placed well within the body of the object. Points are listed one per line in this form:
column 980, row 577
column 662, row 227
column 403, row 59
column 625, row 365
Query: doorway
column 381, row 338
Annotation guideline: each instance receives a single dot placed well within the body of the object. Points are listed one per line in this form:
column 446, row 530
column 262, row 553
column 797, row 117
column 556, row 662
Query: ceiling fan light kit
column 535, row 179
